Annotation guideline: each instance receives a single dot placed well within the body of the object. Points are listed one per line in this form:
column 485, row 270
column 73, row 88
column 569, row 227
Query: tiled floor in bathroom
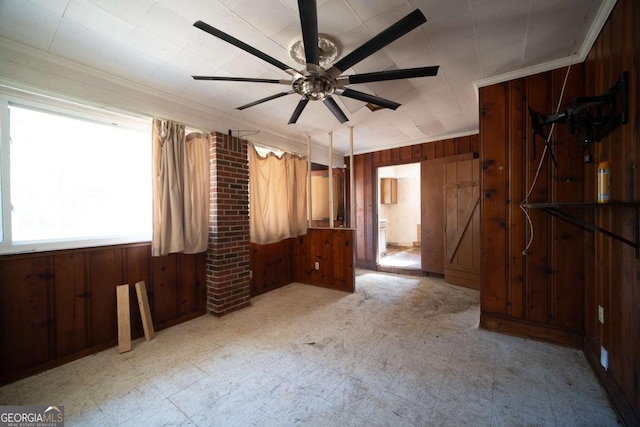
column 401, row 351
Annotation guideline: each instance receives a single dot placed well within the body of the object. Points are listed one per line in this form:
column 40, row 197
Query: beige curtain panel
column 278, row 197
column 180, row 189
column 196, row 193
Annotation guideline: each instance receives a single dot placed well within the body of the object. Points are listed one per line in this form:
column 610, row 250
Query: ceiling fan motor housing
column 314, row 86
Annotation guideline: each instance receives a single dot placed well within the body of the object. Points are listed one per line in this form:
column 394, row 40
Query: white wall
column 403, row 217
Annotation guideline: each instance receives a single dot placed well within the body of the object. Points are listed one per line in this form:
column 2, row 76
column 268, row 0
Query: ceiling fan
column 314, row 82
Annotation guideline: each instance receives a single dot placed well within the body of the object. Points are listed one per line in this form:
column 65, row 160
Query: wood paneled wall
column 553, row 292
column 365, row 167
column 332, row 249
column 537, row 292
column 61, row 305
column 612, row 268
column 272, row 266
column 293, row 260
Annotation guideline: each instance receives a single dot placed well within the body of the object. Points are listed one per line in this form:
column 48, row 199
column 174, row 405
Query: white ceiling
column 152, row 44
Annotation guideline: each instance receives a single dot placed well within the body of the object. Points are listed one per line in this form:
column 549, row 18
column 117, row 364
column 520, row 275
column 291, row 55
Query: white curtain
column 277, row 197
column 180, row 189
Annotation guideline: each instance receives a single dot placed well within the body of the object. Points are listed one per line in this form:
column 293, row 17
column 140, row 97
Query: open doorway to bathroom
column 399, row 218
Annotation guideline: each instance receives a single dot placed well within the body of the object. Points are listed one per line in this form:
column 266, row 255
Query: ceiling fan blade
column 380, row 76
column 361, row 96
column 237, row 43
column 392, row 33
column 241, row 79
column 309, row 24
column 335, row 109
column 268, row 98
column 296, row 113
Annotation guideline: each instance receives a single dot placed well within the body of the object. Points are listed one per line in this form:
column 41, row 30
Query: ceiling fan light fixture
column 328, row 50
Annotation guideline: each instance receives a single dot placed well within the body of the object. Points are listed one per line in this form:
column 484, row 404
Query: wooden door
column 432, row 211
column 462, row 223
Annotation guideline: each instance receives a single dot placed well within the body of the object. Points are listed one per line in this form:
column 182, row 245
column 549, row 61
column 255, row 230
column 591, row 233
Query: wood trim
column 617, row 398
column 536, row 331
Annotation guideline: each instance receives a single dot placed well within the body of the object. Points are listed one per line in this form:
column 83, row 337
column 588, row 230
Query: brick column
column 228, row 268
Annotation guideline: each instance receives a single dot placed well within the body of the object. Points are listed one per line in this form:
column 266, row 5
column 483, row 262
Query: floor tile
column 399, row 351
column 392, row 410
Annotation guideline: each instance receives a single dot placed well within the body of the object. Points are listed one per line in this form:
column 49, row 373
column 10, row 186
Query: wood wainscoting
column 294, row 260
column 61, row 305
column 272, row 266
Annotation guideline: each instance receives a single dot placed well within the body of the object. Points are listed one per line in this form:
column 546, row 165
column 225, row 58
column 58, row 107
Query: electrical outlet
column 317, row 265
column 604, row 358
column 601, row 314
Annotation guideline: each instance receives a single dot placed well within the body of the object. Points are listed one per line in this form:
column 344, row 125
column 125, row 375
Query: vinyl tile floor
column 400, row 351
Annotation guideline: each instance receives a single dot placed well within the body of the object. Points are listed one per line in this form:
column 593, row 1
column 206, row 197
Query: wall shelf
column 559, row 210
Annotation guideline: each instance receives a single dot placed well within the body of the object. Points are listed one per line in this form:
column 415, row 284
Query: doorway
column 399, row 232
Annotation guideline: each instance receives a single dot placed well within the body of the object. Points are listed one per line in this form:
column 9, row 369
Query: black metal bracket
column 556, row 210
column 590, row 118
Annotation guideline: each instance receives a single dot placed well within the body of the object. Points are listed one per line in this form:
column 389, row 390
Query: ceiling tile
column 438, row 9
column 496, row 11
column 367, row 9
column 213, row 49
column 450, row 29
column 408, row 47
column 78, row 43
column 432, row 127
column 18, row 20
column 193, row 10
column 171, row 78
column 149, row 44
column 379, row 61
column 267, row 16
column 168, row 25
column 273, row 49
column 56, row 6
column 128, row 63
column 350, row 40
column 245, row 66
column 335, row 17
column 382, row 21
column 98, row 20
column 127, row 10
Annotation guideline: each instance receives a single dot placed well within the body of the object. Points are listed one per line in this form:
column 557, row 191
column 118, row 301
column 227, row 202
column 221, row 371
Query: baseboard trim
column 530, row 330
column 619, row 402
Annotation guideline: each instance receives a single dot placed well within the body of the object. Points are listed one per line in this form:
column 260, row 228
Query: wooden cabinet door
column 462, row 223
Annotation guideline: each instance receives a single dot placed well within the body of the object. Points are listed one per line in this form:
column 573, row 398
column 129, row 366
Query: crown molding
column 601, row 18
column 420, row 141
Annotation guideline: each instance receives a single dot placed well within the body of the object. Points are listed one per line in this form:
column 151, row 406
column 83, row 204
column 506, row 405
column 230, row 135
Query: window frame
column 71, row 110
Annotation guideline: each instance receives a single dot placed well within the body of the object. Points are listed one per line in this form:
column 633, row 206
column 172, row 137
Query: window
column 73, row 180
